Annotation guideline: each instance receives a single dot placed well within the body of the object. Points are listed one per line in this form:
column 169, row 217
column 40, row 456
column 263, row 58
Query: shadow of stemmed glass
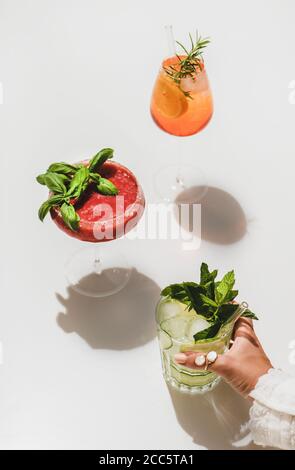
column 223, row 219
column 121, row 321
column 216, row 420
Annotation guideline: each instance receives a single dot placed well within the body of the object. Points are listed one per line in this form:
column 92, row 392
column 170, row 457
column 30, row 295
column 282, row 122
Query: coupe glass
column 99, row 270
column 174, row 333
column 181, row 110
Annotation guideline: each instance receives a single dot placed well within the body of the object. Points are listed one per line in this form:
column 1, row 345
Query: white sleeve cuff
column 272, row 428
column 272, row 415
column 276, row 390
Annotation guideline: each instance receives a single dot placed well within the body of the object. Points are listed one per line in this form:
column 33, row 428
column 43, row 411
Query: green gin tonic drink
column 196, row 317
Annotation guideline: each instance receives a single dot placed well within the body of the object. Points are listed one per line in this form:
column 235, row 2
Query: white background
column 77, row 76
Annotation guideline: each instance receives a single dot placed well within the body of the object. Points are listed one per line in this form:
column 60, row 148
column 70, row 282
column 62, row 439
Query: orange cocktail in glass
column 181, row 105
column 182, row 108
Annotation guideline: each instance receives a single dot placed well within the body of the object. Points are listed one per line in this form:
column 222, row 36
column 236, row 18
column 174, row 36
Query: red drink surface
column 102, row 217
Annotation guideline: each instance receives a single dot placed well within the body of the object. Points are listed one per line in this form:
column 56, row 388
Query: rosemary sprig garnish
column 188, row 65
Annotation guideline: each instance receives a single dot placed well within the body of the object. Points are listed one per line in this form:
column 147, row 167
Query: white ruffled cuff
column 272, row 415
column 276, row 390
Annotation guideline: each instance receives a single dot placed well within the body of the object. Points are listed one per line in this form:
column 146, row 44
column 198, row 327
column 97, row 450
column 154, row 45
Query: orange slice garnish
column 168, row 98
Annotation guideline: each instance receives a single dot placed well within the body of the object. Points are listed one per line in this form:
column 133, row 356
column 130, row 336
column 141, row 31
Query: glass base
column 171, row 181
column 193, row 390
column 97, row 272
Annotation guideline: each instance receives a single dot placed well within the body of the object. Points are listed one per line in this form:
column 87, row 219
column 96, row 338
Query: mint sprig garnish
column 67, row 183
column 209, row 298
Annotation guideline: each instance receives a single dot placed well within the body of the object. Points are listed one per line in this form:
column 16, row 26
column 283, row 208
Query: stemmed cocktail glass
column 95, row 201
column 182, row 106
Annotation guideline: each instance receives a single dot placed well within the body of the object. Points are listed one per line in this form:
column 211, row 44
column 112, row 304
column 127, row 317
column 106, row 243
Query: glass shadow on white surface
column 216, row 420
column 107, row 271
column 124, row 320
column 223, row 219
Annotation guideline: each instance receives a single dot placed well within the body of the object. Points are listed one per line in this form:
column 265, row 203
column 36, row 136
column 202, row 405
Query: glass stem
column 97, row 264
column 179, row 180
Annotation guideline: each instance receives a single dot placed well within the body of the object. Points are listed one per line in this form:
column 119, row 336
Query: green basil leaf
column 43, row 211
column 70, row 216
column 47, row 205
column 41, row 179
column 223, row 288
column 106, row 187
column 62, row 167
column 95, row 177
column 209, row 332
column 55, row 183
column 100, row 158
column 79, row 182
column 64, row 178
column 249, row 314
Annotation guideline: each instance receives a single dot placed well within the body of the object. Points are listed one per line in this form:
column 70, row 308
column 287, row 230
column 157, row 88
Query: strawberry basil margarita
column 106, row 217
column 94, row 201
column 97, row 200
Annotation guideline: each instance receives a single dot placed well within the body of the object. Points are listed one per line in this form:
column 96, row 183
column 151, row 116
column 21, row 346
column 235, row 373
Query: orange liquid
column 175, row 113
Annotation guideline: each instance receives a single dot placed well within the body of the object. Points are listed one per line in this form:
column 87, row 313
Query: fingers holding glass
column 197, row 360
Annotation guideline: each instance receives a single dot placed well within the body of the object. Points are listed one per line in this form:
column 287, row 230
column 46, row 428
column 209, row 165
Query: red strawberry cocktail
column 106, row 217
column 96, row 200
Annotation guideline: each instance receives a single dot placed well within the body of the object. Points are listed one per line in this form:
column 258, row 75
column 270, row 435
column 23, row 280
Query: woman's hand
column 242, row 365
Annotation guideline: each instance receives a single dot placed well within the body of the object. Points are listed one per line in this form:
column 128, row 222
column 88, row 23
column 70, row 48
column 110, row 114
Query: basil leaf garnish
column 106, row 187
column 55, row 183
column 64, row 168
column 79, row 182
column 70, row 216
column 68, row 182
column 47, row 205
column 100, row 158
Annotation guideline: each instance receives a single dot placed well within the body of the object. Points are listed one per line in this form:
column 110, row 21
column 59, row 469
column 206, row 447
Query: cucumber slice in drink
column 194, row 379
column 176, row 326
column 164, row 340
column 196, row 324
column 169, row 308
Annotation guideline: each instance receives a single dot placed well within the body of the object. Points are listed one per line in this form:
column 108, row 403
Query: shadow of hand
column 122, row 321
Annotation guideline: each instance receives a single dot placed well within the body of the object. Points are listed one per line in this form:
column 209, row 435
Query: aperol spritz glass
column 181, row 105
